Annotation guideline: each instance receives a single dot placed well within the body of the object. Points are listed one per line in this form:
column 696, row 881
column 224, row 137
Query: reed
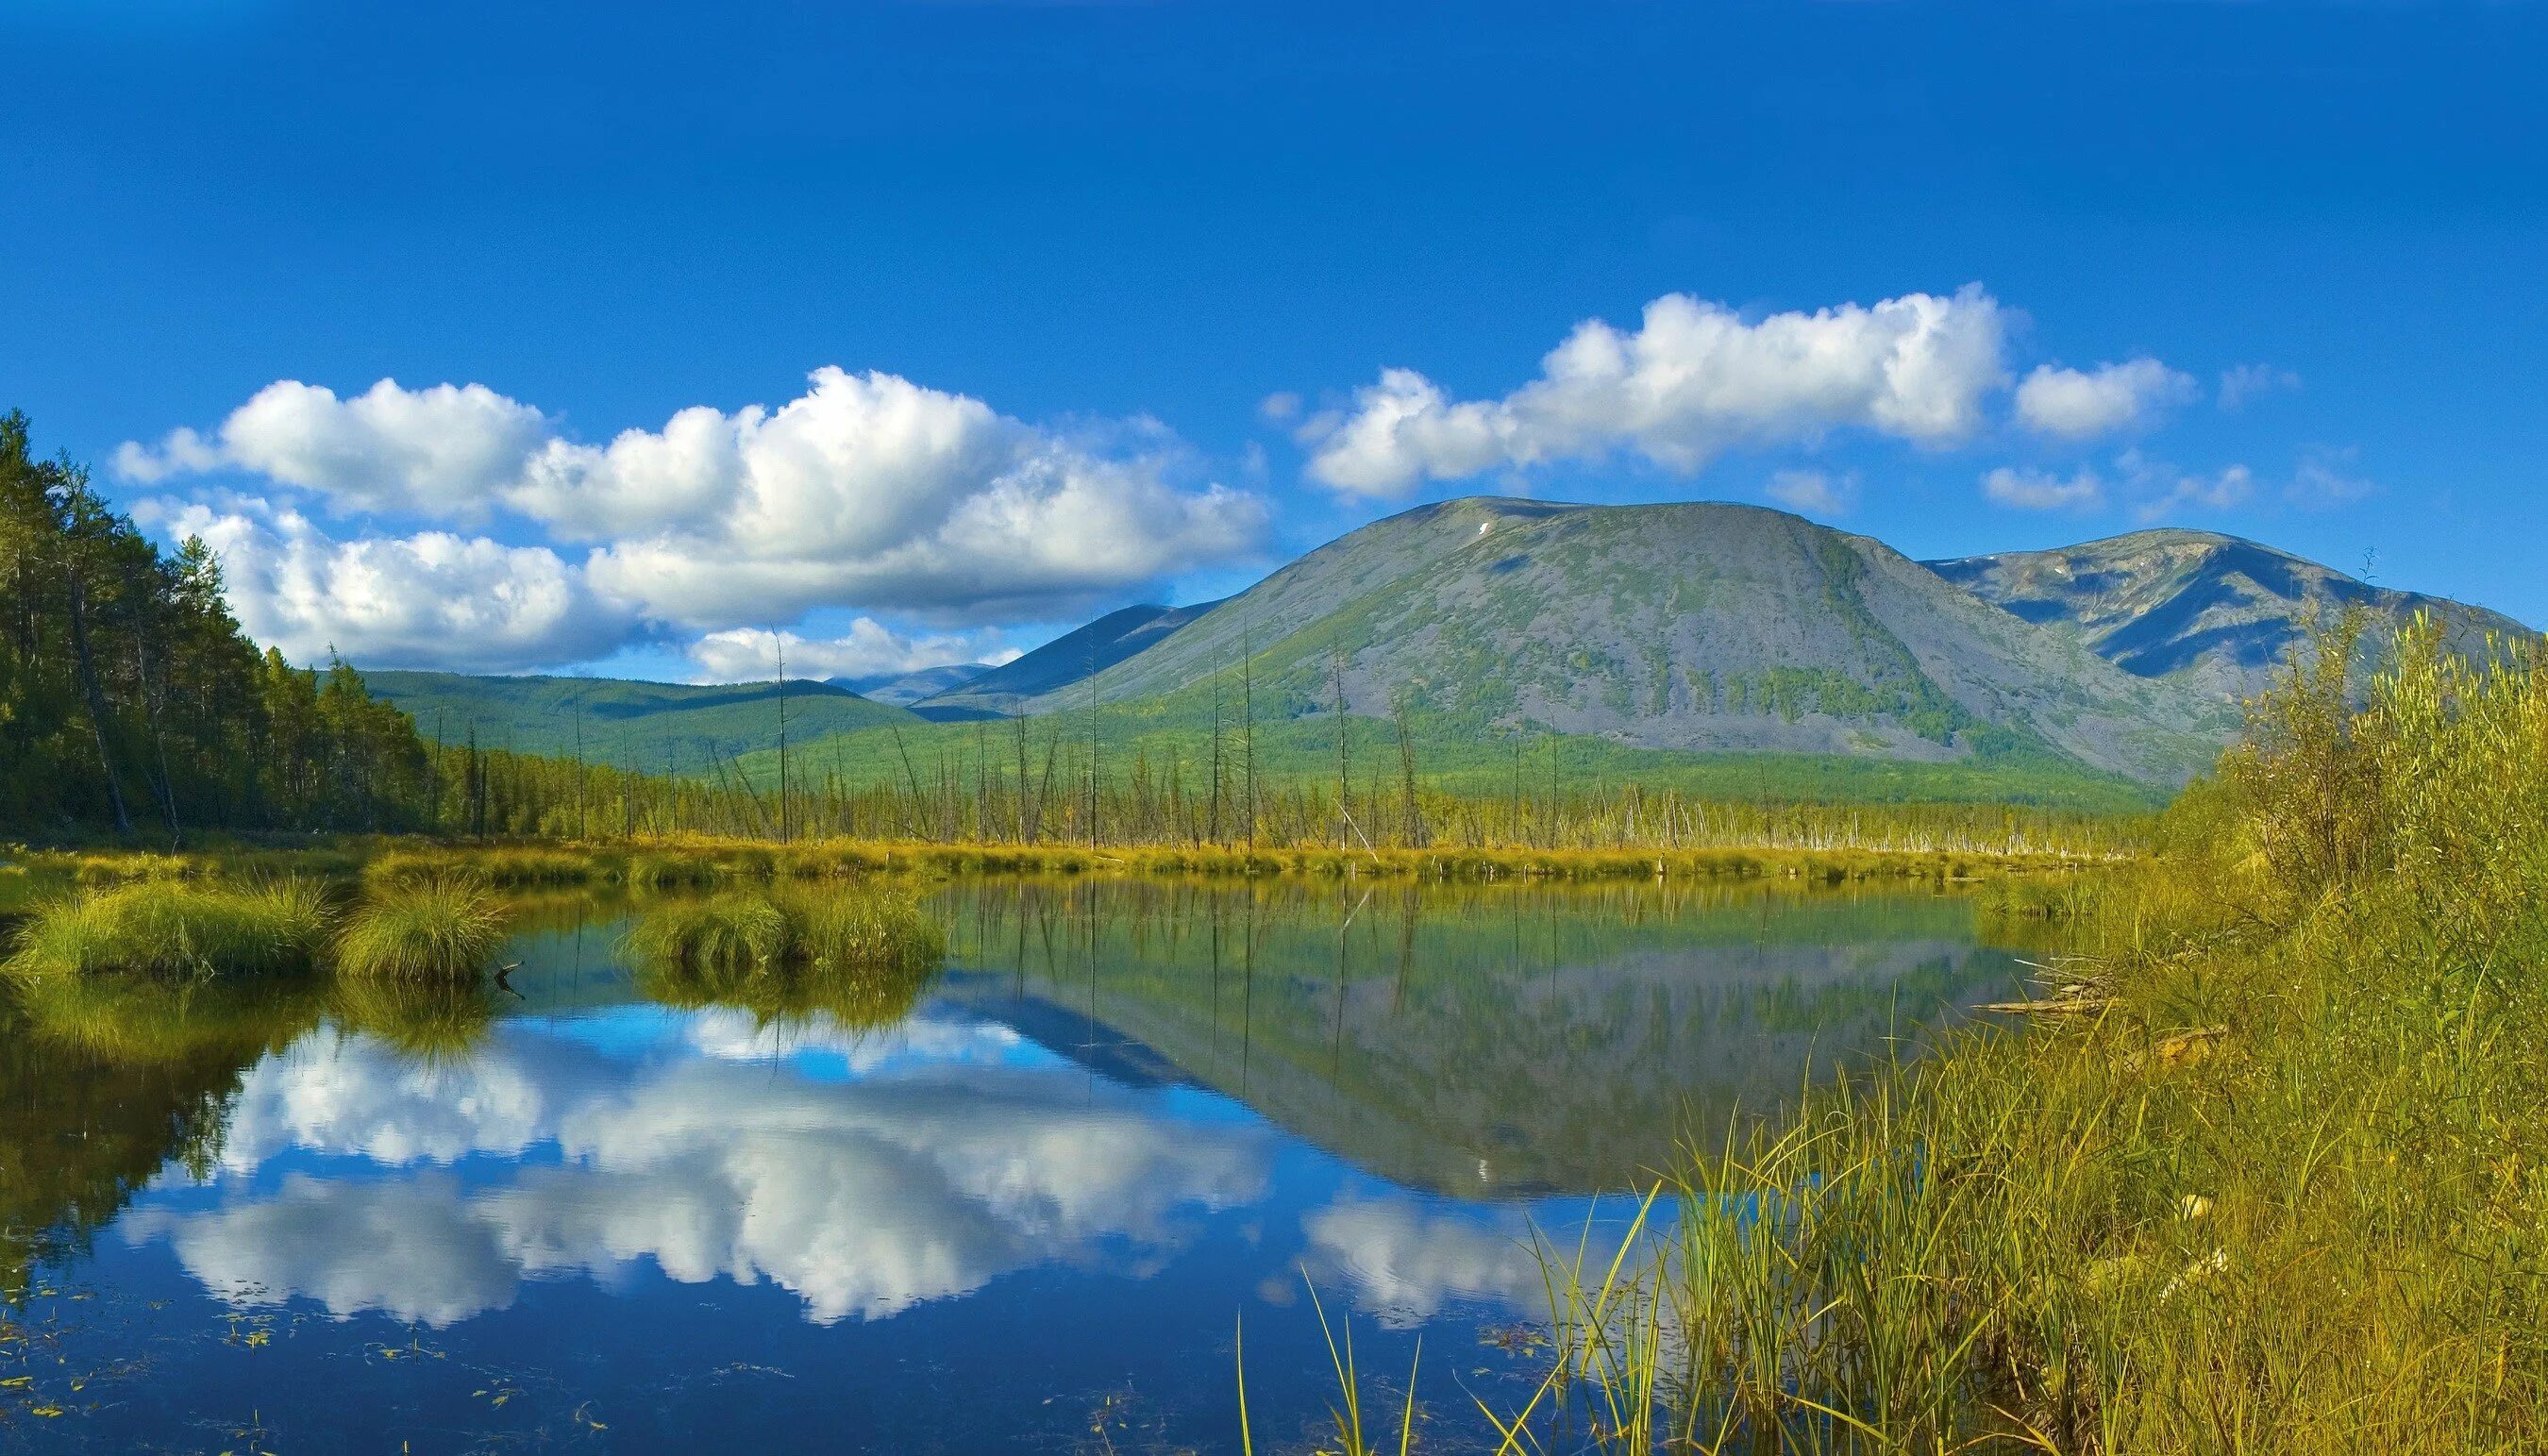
column 441, row 929
column 2262, row 1170
column 175, row 930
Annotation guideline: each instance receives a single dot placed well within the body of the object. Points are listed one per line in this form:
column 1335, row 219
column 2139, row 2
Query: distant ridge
column 1070, row 658
column 2218, row 612
column 645, row 726
column 1704, row 629
column 902, row 690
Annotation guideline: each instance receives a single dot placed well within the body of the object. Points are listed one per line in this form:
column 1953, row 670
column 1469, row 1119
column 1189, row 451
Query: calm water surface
column 1020, row 1211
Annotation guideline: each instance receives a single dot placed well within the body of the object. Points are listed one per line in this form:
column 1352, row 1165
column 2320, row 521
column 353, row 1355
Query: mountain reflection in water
column 1124, row 1112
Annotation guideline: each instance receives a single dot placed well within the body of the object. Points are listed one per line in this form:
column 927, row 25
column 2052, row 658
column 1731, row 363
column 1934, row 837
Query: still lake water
column 1021, row 1213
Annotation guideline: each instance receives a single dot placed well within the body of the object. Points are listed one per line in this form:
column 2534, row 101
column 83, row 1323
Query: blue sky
column 1062, row 256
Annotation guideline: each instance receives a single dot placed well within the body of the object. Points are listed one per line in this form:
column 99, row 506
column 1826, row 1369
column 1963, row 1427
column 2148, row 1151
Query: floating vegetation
column 441, row 928
column 175, row 930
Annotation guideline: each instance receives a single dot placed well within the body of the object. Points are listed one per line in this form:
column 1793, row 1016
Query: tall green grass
column 860, row 953
column 441, row 928
column 175, row 930
column 2268, row 1173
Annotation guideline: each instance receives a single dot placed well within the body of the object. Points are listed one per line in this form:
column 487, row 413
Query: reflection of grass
column 444, row 927
column 422, row 1018
column 176, row 930
column 147, row 1019
column 859, row 953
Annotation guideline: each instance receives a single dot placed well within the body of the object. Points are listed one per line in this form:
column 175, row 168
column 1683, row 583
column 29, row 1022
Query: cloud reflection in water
column 939, row 1161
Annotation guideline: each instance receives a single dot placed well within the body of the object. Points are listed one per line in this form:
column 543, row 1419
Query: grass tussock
column 2264, row 1172
column 860, row 953
column 444, row 928
column 177, row 929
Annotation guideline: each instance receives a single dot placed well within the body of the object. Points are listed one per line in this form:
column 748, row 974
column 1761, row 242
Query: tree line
column 130, row 698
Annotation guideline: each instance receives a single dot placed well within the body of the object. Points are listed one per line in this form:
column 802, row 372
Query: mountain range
column 1689, row 631
column 2217, row 612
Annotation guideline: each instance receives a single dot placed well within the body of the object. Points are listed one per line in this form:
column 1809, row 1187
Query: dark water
column 1020, row 1207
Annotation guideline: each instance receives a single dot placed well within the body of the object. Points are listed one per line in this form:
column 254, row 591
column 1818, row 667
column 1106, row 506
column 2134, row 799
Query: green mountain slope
column 1067, row 659
column 1725, row 651
column 635, row 725
column 2215, row 613
column 901, row 689
column 1699, row 628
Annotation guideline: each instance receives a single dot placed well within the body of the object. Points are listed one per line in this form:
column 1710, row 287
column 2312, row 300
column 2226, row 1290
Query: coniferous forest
column 131, row 699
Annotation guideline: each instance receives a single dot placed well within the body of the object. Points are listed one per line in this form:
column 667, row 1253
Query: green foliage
column 128, row 697
column 753, row 932
column 436, row 928
column 175, row 930
column 134, row 1020
column 725, row 936
column 1155, row 780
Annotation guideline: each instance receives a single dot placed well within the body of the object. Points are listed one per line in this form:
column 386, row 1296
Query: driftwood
column 2069, row 991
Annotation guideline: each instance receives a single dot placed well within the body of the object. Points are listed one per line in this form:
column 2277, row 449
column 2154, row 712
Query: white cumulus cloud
column 2161, row 489
column 441, row 452
column 430, row 599
column 866, row 491
column 1695, row 380
column 2079, row 404
column 864, row 1196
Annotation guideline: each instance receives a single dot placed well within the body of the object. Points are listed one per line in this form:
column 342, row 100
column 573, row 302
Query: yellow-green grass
column 442, row 928
column 175, row 930
column 2267, row 1171
column 860, row 953
column 329, row 860
column 695, row 861
column 506, row 865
